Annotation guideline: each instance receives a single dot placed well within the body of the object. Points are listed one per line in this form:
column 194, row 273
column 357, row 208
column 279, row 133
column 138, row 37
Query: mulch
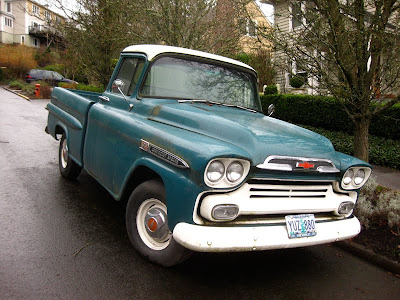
column 381, row 240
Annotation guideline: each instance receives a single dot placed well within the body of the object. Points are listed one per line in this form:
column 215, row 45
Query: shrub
column 16, row 84
column 90, row 88
column 45, row 90
column 296, row 81
column 18, row 59
column 66, row 85
column 382, row 152
column 45, row 56
column 243, row 57
column 28, row 88
column 56, row 67
column 271, row 89
column 378, row 205
column 82, row 87
column 326, row 112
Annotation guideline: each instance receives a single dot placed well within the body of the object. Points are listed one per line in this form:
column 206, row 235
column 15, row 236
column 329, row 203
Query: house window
column 23, row 40
column 47, row 15
column 296, row 17
column 8, row 22
column 248, row 27
column 35, row 42
column 8, row 7
column 35, row 9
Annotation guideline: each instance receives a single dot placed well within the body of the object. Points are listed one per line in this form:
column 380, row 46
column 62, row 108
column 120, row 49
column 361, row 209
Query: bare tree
column 351, row 48
column 196, row 24
column 97, row 30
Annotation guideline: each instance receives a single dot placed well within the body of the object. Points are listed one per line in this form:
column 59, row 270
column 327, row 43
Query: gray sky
column 266, row 8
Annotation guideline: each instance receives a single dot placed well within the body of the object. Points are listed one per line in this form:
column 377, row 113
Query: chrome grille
column 288, row 191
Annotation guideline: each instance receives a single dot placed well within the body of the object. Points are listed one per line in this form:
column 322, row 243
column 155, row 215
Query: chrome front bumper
column 235, row 239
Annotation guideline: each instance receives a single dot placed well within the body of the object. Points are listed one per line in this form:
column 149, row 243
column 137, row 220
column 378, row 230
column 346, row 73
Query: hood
column 257, row 134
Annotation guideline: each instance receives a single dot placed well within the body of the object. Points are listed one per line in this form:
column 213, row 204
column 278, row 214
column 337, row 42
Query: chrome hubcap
column 64, row 154
column 152, row 224
column 156, row 224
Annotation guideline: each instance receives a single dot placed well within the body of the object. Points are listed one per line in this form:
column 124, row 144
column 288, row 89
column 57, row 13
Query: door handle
column 104, row 98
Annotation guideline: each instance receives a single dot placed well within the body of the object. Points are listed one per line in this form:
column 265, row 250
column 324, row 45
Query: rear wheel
column 147, row 225
column 68, row 168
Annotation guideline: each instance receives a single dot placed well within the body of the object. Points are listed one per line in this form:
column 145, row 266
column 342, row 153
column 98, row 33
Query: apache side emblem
column 163, row 154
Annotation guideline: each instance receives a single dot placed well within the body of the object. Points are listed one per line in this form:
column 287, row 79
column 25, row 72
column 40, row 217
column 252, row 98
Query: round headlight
column 215, row 171
column 348, row 177
column 359, row 177
column 234, row 171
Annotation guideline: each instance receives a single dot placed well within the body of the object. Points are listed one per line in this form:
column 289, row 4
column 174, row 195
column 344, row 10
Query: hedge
column 82, row 87
column 324, row 112
column 382, row 151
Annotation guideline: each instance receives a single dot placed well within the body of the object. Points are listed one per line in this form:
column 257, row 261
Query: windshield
column 181, row 78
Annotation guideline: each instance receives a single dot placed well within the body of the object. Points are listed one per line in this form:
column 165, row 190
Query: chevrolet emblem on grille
column 305, row 165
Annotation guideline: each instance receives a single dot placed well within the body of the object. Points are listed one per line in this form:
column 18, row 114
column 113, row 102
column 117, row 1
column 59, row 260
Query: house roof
column 151, row 51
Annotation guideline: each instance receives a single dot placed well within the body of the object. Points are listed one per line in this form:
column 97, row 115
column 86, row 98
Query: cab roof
column 151, row 51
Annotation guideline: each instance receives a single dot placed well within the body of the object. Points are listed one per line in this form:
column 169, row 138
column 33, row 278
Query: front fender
column 180, row 188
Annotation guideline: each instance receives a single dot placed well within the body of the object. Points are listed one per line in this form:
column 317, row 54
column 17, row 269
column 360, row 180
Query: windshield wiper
column 215, row 103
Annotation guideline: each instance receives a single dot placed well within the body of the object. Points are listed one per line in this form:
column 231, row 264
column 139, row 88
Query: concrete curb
column 18, row 94
column 370, row 256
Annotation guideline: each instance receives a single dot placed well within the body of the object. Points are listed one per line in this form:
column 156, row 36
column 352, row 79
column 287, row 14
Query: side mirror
column 271, row 109
column 119, row 85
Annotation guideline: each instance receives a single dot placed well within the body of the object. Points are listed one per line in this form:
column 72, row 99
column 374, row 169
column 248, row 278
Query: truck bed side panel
column 69, row 109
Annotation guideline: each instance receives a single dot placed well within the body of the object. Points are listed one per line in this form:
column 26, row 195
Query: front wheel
column 68, row 168
column 147, row 225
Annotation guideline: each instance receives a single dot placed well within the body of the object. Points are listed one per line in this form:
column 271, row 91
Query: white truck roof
column 151, row 51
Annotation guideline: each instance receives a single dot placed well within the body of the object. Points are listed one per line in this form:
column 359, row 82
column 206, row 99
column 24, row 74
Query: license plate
column 299, row 226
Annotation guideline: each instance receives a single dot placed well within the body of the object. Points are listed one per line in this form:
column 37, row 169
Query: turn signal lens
column 225, row 212
column 234, row 171
column 345, row 208
column 215, row 171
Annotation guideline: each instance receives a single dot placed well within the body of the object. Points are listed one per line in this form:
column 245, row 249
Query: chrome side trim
column 163, row 154
column 290, row 163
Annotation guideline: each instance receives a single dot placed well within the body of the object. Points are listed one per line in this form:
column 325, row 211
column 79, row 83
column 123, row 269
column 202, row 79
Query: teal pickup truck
column 180, row 135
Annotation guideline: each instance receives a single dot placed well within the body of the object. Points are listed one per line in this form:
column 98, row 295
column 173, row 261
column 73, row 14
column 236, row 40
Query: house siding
column 23, row 17
column 282, row 20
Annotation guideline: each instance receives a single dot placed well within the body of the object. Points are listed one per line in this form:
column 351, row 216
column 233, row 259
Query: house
column 250, row 25
column 290, row 19
column 29, row 23
column 247, row 22
column 287, row 19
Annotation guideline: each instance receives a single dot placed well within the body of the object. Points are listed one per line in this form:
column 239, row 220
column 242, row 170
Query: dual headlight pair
column 226, row 172
column 355, row 177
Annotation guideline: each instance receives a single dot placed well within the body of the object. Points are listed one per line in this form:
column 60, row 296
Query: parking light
column 345, row 208
column 225, row 212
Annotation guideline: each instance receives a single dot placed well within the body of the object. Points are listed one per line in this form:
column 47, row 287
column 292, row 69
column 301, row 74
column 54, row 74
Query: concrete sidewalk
column 387, row 177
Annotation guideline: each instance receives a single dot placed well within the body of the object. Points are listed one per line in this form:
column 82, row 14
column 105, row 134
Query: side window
column 129, row 73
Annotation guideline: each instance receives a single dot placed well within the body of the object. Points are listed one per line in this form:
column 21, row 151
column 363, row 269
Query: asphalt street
column 67, row 240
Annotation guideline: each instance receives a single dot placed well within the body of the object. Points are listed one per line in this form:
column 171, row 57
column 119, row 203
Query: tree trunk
column 361, row 138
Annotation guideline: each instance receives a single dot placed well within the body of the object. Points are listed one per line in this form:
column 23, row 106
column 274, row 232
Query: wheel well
column 139, row 175
column 59, row 130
